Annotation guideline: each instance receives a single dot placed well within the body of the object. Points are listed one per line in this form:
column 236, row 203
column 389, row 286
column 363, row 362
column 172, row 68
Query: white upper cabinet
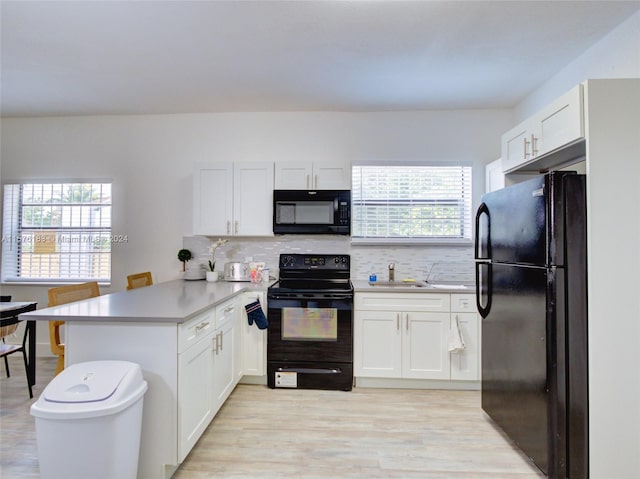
column 494, row 177
column 233, row 199
column 312, row 176
column 557, row 125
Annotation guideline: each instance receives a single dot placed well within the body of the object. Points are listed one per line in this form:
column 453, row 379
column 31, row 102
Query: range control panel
column 331, row 262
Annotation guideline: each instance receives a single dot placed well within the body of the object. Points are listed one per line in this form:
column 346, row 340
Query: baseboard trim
column 393, row 383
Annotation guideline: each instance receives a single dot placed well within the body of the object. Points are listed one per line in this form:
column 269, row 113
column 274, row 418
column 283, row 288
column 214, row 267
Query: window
column 411, row 204
column 56, row 232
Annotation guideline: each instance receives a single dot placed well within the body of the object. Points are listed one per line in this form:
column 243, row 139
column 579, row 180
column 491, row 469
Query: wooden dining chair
column 63, row 295
column 139, row 280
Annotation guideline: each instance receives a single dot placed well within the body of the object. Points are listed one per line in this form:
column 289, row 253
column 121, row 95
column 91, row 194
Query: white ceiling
column 129, row 57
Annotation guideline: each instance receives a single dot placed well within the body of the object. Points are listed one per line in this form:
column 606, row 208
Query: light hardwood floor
column 264, row 433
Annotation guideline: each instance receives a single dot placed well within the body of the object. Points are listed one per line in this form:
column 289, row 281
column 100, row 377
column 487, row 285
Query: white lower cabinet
column 377, row 345
column 254, row 340
column 406, row 335
column 465, row 365
column 424, row 346
column 224, row 358
column 195, row 380
column 206, row 374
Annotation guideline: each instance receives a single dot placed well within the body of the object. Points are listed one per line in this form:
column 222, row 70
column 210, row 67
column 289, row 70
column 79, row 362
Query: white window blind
column 411, row 203
column 56, row 232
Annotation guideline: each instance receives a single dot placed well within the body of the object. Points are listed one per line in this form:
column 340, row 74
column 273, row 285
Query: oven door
column 310, row 340
column 310, row 327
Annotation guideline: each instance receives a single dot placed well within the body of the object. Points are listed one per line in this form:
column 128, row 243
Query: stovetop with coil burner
column 313, row 273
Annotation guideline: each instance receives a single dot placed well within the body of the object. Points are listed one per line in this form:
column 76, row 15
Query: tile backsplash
column 432, row 263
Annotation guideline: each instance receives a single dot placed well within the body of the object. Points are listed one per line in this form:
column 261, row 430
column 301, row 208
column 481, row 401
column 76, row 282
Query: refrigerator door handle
column 481, row 288
column 483, row 209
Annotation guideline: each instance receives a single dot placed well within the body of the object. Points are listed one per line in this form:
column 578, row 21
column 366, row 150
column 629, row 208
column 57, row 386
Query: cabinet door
column 377, row 344
column 465, row 365
column 293, row 176
column 254, row 340
column 561, row 122
column 494, row 177
column 312, row 176
column 223, row 372
column 213, row 199
column 516, row 147
column 331, row 176
column 425, row 353
column 253, row 199
column 195, row 393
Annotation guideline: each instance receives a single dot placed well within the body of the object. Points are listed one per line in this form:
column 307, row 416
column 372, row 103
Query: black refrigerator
column 530, row 252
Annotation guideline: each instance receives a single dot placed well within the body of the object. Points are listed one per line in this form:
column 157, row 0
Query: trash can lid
column 87, row 382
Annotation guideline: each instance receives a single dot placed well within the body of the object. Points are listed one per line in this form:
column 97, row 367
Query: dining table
column 10, row 312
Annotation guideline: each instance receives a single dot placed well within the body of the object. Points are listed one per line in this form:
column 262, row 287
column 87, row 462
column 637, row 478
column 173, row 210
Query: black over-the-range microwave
column 312, row 212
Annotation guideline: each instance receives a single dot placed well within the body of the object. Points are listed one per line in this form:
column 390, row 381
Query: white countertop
column 361, row 286
column 174, row 301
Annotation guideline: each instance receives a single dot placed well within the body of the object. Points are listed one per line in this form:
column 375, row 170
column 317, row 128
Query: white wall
column 617, row 55
column 150, row 158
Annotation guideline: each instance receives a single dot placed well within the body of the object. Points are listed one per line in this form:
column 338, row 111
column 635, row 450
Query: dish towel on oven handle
column 255, row 314
column 456, row 341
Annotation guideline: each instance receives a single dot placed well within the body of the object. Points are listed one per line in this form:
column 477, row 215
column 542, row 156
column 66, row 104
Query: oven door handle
column 311, row 370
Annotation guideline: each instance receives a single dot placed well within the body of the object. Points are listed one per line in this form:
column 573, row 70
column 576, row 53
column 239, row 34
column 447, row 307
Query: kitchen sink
column 417, row 284
column 447, row 286
column 398, row 284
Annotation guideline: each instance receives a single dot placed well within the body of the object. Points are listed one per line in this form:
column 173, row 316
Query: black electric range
column 310, row 337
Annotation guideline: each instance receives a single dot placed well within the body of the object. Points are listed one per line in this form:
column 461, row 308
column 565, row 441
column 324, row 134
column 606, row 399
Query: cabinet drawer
column 194, row 329
column 402, row 302
column 463, row 303
column 226, row 312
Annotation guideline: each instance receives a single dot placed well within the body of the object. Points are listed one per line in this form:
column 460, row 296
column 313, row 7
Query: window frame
column 418, row 240
column 16, row 232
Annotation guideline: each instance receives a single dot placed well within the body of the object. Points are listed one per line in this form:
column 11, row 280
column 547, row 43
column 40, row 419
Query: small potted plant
column 212, row 275
column 184, row 255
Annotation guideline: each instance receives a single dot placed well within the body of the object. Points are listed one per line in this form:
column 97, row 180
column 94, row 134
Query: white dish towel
column 456, row 341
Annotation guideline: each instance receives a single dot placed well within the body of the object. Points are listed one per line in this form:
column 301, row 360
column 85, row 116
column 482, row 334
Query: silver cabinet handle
column 407, row 321
column 316, row 181
column 228, row 227
column 526, row 149
column 398, row 321
column 221, row 340
column 534, row 150
column 228, row 309
column 202, row 326
column 236, row 229
column 215, row 346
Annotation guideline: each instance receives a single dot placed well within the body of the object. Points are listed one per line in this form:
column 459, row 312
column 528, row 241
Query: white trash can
column 88, row 421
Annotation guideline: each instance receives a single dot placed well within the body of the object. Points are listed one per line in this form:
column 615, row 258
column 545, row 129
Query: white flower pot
column 212, row 276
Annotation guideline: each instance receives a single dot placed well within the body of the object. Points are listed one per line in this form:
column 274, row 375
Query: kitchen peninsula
column 191, row 339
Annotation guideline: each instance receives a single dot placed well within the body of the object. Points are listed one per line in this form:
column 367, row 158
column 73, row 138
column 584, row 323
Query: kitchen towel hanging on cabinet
column 255, row 314
column 456, row 341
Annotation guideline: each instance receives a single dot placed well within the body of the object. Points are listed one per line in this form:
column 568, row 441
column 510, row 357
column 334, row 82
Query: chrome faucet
column 392, row 272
